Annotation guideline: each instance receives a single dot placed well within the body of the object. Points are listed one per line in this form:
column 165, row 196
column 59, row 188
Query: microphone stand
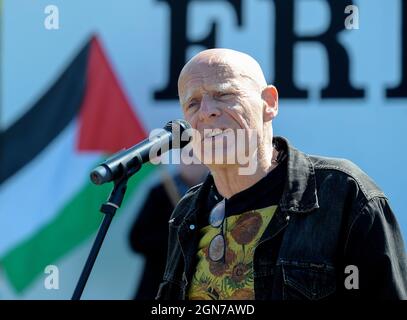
column 109, row 209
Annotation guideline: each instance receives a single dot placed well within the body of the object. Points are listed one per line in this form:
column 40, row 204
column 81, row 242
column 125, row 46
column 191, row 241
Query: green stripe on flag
column 78, row 220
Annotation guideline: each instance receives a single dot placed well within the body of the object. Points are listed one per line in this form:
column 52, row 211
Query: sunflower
column 247, row 227
column 239, row 272
column 219, row 268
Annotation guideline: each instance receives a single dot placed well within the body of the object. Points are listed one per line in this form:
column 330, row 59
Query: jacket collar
column 300, row 191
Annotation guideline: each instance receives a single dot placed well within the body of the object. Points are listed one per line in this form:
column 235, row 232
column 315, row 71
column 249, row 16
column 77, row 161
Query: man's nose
column 208, row 108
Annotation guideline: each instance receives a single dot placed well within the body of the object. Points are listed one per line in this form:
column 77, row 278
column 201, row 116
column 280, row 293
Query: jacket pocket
column 307, row 281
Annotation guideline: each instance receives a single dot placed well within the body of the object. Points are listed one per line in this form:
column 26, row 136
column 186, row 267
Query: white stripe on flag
column 31, row 198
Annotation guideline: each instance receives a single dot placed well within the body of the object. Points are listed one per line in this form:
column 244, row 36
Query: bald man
column 296, row 227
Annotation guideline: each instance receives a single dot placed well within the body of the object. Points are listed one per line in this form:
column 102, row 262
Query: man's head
column 226, row 89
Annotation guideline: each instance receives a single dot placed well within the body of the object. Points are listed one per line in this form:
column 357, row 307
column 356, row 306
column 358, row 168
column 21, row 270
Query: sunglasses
column 217, row 246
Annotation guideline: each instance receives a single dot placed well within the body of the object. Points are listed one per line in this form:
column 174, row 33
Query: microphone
column 129, row 161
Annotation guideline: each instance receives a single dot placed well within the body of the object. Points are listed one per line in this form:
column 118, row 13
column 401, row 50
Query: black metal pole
column 92, row 257
column 109, row 209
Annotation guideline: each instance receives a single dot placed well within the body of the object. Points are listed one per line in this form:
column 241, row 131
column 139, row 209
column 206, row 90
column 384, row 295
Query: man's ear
column 270, row 98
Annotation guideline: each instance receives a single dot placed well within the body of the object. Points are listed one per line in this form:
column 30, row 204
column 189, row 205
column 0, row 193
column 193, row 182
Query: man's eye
column 192, row 105
column 225, row 94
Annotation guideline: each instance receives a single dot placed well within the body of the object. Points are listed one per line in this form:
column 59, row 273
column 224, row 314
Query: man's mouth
column 215, row 132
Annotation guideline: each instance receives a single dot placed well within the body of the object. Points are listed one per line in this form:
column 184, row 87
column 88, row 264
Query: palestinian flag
column 47, row 204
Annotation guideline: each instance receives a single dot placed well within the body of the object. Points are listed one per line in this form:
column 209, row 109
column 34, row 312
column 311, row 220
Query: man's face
column 221, row 97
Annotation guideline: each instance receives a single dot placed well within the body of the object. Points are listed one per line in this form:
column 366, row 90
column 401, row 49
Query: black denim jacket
column 331, row 215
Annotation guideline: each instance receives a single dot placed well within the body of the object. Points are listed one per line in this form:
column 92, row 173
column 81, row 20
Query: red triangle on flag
column 107, row 121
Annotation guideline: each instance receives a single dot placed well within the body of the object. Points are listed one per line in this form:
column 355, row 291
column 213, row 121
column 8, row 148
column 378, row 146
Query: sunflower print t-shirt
column 248, row 214
column 233, row 277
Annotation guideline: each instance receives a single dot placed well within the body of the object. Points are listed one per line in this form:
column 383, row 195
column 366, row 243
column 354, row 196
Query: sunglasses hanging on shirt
column 217, row 246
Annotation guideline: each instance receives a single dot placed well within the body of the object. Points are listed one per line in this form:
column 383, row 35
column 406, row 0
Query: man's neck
column 229, row 181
